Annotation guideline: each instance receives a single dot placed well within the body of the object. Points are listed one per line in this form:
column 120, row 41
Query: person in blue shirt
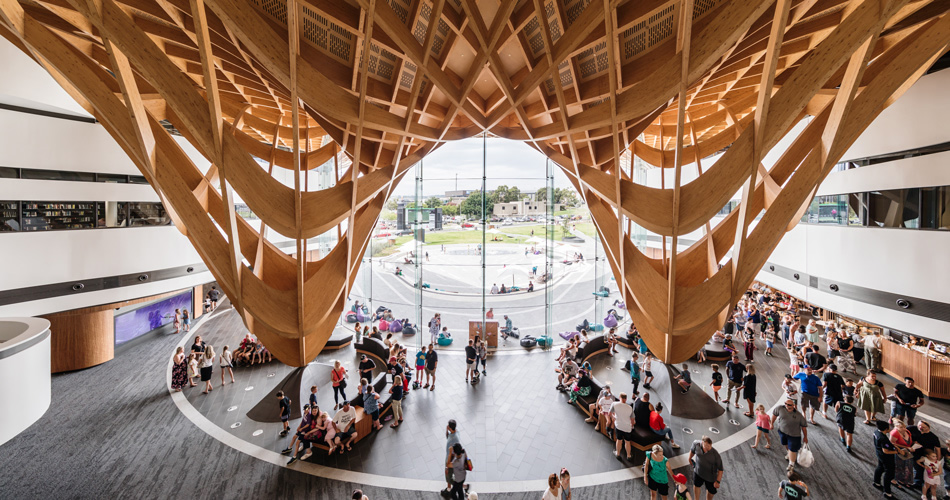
column 507, row 329
column 635, row 373
column 811, row 391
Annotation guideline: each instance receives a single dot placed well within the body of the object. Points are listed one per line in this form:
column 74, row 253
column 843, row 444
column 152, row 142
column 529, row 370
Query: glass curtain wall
column 483, row 229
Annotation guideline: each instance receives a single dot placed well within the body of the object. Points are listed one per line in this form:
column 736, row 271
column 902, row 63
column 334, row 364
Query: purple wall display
column 136, row 323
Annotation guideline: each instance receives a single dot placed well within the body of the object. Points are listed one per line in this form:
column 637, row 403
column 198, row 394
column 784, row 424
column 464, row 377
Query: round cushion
column 395, row 326
column 610, row 321
column 529, row 342
column 383, row 325
column 351, row 317
column 408, row 330
column 444, row 341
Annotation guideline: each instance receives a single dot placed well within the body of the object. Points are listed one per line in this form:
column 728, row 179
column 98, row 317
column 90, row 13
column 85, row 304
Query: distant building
column 459, row 193
column 522, row 208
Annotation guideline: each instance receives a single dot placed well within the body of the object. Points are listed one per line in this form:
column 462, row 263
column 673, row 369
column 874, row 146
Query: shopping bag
column 805, row 457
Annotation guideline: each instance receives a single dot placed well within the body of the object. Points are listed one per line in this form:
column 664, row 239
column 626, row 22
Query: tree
column 541, row 195
column 391, row 205
column 500, row 194
column 472, row 206
column 433, row 202
column 450, row 210
column 514, row 194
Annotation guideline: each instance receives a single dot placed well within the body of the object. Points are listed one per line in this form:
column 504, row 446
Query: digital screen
column 136, row 323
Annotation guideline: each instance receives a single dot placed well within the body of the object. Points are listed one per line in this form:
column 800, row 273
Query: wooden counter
column 932, row 376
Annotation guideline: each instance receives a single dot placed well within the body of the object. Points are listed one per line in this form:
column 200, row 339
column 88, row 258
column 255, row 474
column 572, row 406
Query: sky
column 512, row 163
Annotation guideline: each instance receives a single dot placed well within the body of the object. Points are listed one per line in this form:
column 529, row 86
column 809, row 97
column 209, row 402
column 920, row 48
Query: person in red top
column 659, row 426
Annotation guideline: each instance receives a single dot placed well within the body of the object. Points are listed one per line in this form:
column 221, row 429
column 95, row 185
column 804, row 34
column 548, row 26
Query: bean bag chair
column 444, row 340
column 360, row 317
column 381, row 309
column 408, row 330
column 395, row 326
column 610, row 321
column 545, row 341
column 529, row 341
column 568, row 335
column 383, row 325
column 583, row 326
column 351, row 317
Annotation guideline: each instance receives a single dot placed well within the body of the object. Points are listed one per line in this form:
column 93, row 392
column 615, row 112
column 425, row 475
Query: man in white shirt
column 345, row 420
column 622, row 415
column 494, row 289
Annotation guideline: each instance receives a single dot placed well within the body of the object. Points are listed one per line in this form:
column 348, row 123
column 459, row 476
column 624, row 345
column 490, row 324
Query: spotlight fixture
column 904, row 303
column 78, row 286
column 143, row 277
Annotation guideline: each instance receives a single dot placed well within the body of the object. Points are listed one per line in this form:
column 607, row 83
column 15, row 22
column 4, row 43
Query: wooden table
column 491, row 331
column 931, row 376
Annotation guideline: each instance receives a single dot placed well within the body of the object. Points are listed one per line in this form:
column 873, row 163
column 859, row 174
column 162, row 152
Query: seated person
column 582, row 385
column 503, row 289
column 660, row 427
column 612, row 341
column 506, row 330
column 569, row 350
column 633, row 334
column 375, row 334
column 567, row 374
column 684, row 379
column 530, row 286
column 389, row 340
column 718, row 336
column 398, row 271
column 642, row 409
column 727, row 345
column 444, row 334
column 303, row 428
column 602, row 407
column 345, row 422
column 583, row 338
column 620, row 304
column 407, row 260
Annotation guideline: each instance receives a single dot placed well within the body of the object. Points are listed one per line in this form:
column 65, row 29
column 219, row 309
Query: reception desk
column 25, row 389
column 931, row 375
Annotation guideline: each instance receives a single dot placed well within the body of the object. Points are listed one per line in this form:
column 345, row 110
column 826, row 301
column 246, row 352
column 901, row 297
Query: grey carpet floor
column 113, row 431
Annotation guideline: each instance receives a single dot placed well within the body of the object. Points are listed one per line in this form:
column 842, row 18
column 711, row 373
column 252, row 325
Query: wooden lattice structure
column 373, row 86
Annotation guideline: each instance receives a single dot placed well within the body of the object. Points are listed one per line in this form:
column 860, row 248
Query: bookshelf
column 47, row 216
column 9, row 216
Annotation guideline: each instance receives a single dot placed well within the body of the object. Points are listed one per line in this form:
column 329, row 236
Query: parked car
column 404, row 232
column 506, row 223
column 467, row 225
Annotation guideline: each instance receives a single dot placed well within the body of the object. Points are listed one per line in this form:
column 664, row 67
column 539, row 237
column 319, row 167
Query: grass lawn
column 587, row 228
column 467, row 237
column 524, row 230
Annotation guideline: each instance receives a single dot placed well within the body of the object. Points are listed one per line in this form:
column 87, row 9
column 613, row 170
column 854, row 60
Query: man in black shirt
column 735, row 371
column 832, row 384
column 928, row 441
column 284, row 403
column 885, row 459
column 815, row 360
column 909, row 398
column 641, row 411
column 432, row 360
column 366, row 368
column 471, row 357
column 213, row 296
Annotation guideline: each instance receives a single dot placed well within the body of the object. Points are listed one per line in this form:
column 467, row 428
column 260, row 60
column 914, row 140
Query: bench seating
column 373, row 347
column 338, row 341
column 596, row 345
column 715, row 352
column 626, row 342
column 364, row 422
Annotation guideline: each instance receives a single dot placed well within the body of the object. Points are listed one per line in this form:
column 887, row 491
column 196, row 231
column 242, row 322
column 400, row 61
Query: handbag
column 805, row 457
column 468, row 463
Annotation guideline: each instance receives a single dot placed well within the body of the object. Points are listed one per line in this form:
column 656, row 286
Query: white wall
column 25, row 384
column 909, row 262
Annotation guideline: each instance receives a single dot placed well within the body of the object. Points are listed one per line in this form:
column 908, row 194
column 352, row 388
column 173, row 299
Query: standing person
column 283, row 403
column 886, row 451
column 432, row 361
column 909, row 398
column 186, row 319
column 490, row 314
column 420, row 364
column 214, row 294
column 792, row 488
column 482, row 349
column 451, row 439
column 435, row 325
column 226, row 364
column 872, row 351
column 833, row 386
column 313, row 396
column 811, row 391
column 207, row 365
column 564, row 481
column 635, row 373
column 193, row 370
column 749, row 342
column 397, row 390
column 716, row 383
column 366, row 367
column 769, row 341
column 657, row 472
column 199, row 345
column 932, row 467
column 179, row 369
column 928, row 441
column 622, row 416
column 647, row 365
column 707, row 468
column 748, row 388
column 177, row 321
column 735, row 371
column 846, row 354
column 870, row 396
column 904, row 442
column 845, row 412
column 762, row 427
column 553, row 492
column 471, row 359
column 790, row 386
column 792, row 428
column 457, row 464
column 338, row 378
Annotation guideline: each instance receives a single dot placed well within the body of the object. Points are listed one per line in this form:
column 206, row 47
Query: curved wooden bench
column 373, row 347
column 338, row 341
column 596, row 345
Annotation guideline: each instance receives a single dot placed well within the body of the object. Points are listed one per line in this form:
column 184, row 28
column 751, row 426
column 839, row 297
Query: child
column 932, row 472
column 313, row 395
column 763, row 425
column 635, row 374
column 946, row 465
column 193, row 369
column 793, row 363
column 849, row 388
column 684, row 379
column 420, row 362
column 769, row 341
column 682, row 491
column 790, row 386
column 727, row 345
column 716, row 381
column 647, row 364
column 284, row 404
column 845, row 418
column 226, row 364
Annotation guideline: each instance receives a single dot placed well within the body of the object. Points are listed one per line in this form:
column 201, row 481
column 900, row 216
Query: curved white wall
column 25, row 384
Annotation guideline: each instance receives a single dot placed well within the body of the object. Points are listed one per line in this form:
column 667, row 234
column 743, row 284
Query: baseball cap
column 680, row 478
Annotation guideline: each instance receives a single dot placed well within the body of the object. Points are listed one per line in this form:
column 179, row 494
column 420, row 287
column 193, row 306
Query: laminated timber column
column 384, row 83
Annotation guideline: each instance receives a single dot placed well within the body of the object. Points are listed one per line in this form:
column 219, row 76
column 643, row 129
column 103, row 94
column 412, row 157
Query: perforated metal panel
column 401, row 8
column 573, row 10
column 647, row 33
